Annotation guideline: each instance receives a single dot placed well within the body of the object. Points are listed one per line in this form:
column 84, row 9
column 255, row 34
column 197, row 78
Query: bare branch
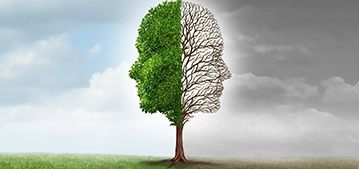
column 202, row 66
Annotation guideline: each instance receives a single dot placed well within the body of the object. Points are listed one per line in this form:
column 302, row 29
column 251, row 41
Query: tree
column 179, row 70
column 157, row 70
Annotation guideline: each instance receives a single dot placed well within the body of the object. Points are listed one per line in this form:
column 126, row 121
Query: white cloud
column 312, row 119
column 111, row 90
column 337, row 91
column 280, row 131
column 280, row 52
column 94, row 50
column 264, row 48
column 238, row 12
column 244, row 38
column 257, row 120
column 45, row 67
column 103, row 117
column 41, row 53
column 274, row 129
column 292, row 87
column 305, row 50
column 348, row 139
column 279, row 57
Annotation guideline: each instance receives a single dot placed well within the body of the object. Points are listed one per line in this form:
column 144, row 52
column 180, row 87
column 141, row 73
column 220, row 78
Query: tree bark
column 179, row 153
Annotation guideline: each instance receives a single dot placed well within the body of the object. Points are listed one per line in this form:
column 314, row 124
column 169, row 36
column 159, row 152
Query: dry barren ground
column 284, row 163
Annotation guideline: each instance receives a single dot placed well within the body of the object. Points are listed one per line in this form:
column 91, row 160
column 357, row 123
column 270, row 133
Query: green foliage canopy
column 158, row 69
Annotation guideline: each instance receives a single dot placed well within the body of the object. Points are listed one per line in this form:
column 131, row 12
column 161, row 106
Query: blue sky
column 82, row 39
column 294, row 90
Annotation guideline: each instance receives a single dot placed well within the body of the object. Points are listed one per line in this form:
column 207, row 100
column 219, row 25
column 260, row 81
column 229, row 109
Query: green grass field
column 96, row 161
column 78, row 161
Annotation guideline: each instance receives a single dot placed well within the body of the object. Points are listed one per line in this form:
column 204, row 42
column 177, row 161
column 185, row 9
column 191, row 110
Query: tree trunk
column 179, row 154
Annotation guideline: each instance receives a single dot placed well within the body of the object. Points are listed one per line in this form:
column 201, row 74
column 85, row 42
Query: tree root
column 178, row 160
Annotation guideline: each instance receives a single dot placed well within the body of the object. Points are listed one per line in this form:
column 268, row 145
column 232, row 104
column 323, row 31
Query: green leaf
column 158, row 68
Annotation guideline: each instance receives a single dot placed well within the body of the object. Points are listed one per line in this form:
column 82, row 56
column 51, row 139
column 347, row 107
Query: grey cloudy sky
column 294, row 91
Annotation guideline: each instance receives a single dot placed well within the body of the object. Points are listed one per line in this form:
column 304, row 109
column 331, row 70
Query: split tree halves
column 179, row 70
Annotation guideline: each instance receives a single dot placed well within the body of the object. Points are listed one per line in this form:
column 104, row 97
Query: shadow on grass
column 162, row 163
column 190, row 164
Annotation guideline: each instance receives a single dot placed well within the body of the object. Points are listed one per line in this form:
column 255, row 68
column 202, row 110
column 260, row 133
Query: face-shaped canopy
column 202, row 65
column 179, row 70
